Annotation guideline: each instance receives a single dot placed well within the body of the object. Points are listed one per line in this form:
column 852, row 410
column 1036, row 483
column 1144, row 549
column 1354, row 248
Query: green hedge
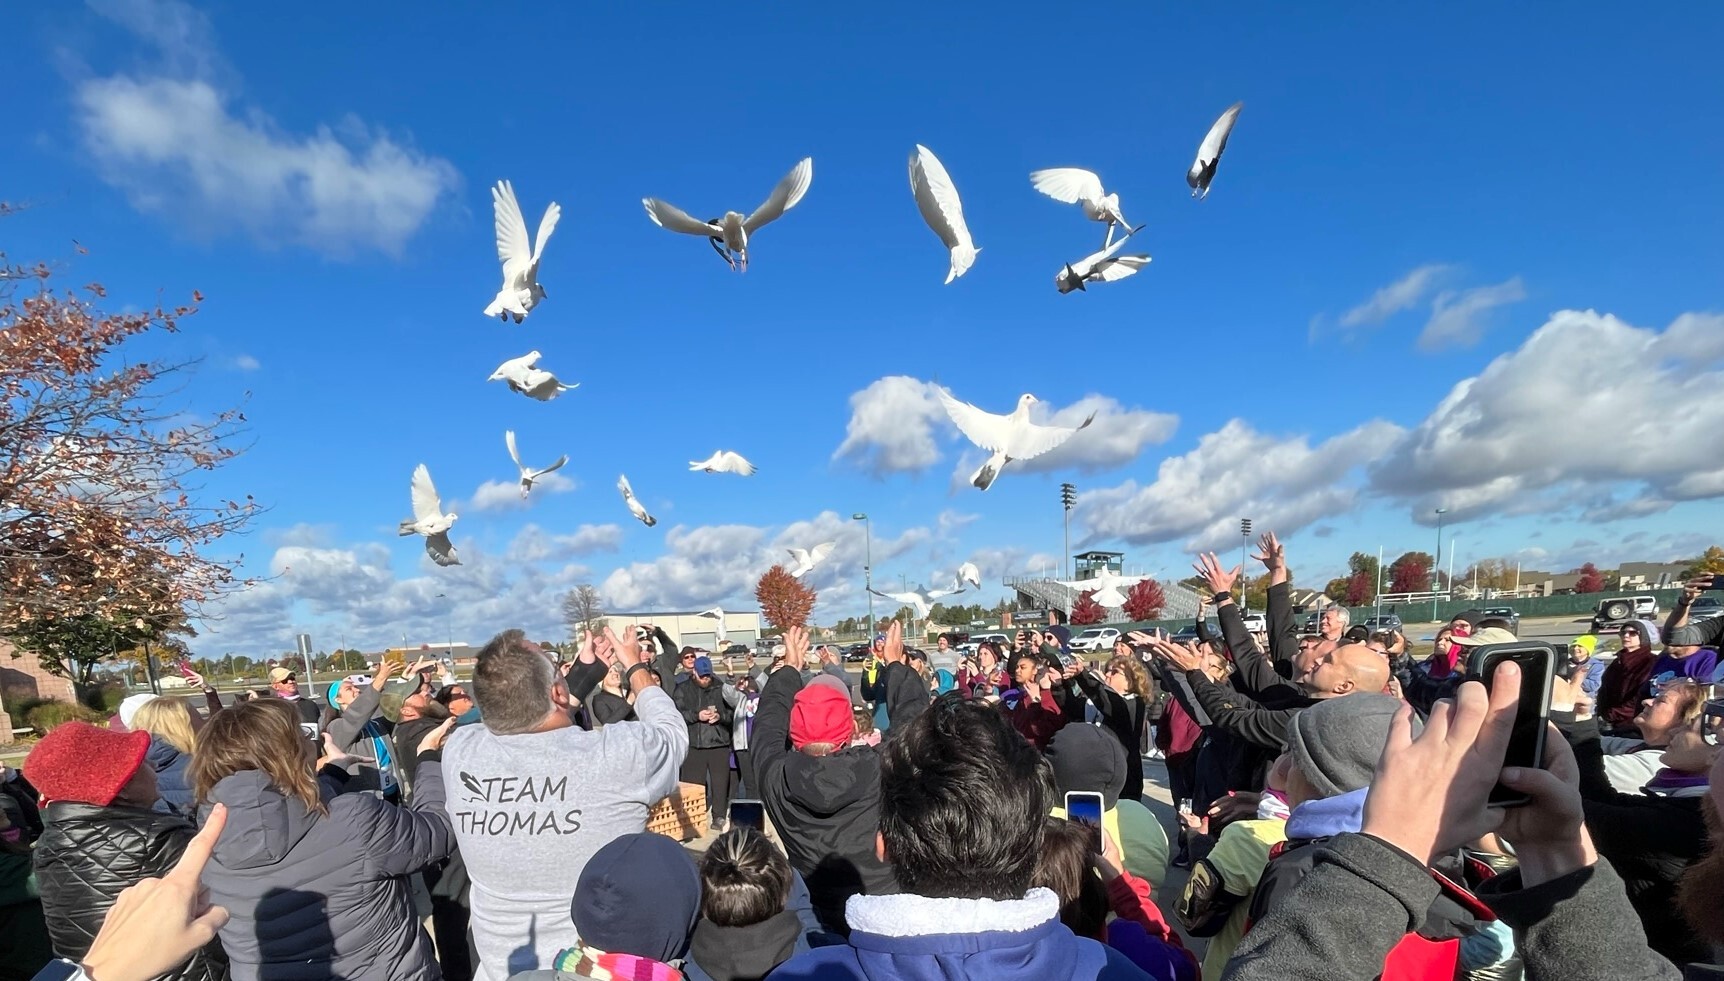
column 46, row 714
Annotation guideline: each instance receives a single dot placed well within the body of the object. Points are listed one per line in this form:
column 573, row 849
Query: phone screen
column 750, row 813
column 1086, row 806
column 1526, row 741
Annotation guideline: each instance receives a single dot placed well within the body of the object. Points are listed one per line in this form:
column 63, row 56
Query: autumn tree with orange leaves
column 784, row 601
column 105, row 538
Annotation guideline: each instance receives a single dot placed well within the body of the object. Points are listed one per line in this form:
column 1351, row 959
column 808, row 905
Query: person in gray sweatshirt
column 533, row 797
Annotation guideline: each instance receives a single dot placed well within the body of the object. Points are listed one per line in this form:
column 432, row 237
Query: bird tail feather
column 963, row 257
column 408, row 529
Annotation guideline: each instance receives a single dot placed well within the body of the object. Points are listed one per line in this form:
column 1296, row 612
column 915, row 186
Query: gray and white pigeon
column 1209, row 152
column 636, row 508
column 1009, row 437
column 521, row 291
column 531, row 381
column 1100, row 267
column 937, row 200
column 729, row 235
column 528, row 474
column 429, row 520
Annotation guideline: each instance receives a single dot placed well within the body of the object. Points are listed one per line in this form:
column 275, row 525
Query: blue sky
column 1380, row 309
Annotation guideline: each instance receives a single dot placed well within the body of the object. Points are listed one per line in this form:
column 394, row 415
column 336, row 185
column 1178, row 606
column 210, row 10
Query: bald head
column 1345, row 669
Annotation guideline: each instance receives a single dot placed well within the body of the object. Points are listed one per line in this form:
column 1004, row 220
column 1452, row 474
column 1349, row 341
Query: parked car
column 1705, row 608
column 1188, row 633
column 1612, row 613
column 1000, row 641
column 855, row 653
column 1384, row 621
column 1503, row 613
column 1257, row 623
column 1095, row 639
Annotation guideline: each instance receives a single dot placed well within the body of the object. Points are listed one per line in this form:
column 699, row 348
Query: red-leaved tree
column 1411, row 573
column 1145, row 600
column 1360, row 589
column 1087, row 611
column 1590, row 581
column 784, row 601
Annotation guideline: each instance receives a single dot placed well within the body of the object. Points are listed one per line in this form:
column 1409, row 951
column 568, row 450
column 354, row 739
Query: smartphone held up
column 1537, row 663
column 1086, row 807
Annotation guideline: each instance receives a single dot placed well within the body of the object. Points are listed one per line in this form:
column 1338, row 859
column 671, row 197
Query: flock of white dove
column 1006, row 437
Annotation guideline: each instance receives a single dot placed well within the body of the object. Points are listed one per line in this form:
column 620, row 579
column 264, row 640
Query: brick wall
column 22, row 677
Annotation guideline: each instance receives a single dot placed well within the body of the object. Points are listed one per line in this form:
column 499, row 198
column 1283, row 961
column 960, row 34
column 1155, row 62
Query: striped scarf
column 590, row 962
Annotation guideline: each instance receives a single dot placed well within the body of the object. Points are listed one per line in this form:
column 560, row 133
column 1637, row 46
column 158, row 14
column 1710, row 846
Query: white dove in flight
column 528, row 474
column 429, row 520
column 636, row 508
column 1109, row 586
column 1209, row 152
column 1074, row 185
column 521, row 291
column 1100, row 267
column 724, row 461
column 531, row 381
column 921, row 599
column 1008, row 438
column 937, row 200
column 717, row 616
column 808, row 558
column 729, row 235
column 970, row 574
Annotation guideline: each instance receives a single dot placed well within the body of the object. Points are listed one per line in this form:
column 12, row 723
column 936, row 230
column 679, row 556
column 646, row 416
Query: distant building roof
column 1098, row 555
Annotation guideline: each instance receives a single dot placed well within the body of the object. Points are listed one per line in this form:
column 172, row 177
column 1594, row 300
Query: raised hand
column 434, row 739
column 331, row 752
column 1272, row 554
column 893, row 650
column 796, row 647
column 625, row 650
column 1218, row 578
column 1181, row 656
column 156, row 925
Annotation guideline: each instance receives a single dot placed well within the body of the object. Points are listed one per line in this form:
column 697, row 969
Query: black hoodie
column 827, row 808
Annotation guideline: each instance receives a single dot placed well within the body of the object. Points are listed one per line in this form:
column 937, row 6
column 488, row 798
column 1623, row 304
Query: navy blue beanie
column 639, row 894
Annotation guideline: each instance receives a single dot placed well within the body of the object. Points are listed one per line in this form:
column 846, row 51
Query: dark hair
column 512, row 684
column 1499, row 622
column 446, row 694
column 962, row 798
column 1056, row 615
column 1025, row 656
column 744, row 879
column 1066, row 867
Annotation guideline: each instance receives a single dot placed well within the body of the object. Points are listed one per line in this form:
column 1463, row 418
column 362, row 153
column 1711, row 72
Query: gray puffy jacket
column 315, row 897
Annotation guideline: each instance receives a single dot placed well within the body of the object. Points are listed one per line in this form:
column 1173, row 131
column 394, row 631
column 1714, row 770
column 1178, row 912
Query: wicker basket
column 682, row 815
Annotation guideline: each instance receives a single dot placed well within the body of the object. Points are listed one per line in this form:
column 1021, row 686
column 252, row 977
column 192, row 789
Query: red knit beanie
column 821, row 715
column 83, row 763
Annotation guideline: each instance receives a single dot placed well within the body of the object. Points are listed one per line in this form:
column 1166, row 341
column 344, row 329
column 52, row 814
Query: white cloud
column 1458, row 317
column 1402, row 294
column 1235, row 472
column 245, row 362
column 178, row 144
column 535, row 544
column 897, row 424
column 1042, row 563
column 505, row 495
column 891, row 428
column 1587, row 404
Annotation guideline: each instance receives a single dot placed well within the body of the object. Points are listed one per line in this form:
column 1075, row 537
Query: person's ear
column 560, row 695
column 880, row 848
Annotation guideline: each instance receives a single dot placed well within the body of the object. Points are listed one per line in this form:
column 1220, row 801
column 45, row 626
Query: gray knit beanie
column 1336, row 742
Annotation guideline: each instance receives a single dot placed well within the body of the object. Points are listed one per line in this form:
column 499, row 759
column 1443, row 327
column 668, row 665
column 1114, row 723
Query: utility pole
column 1068, row 497
column 868, row 567
column 1437, row 563
column 1244, row 545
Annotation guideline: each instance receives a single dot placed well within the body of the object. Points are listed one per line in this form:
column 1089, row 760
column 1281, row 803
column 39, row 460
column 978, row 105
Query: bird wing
column 717, row 613
column 1029, row 442
column 800, row 555
column 425, row 502
column 818, row 553
column 437, row 546
column 1068, row 184
column 732, row 462
column 1215, row 140
column 937, row 198
column 1125, row 265
column 623, row 485
column 512, row 245
column 561, row 462
column 984, row 429
column 908, row 599
column 934, row 594
column 1087, row 264
column 509, row 438
column 547, row 225
column 666, row 215
column 970, row 574
column 784, row 197
column 711, row 461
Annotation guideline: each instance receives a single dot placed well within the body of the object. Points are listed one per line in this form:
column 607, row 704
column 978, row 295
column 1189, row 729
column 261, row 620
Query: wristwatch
column 61, row 969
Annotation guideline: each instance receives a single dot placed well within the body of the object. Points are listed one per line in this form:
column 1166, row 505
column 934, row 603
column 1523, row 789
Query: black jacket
column 1444, row 919
column 1124, row 717
column 827, row 808
column 607, row 708
column 88, row 854
column 690, row 698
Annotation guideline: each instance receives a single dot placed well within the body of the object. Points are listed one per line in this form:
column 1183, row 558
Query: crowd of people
column 922, row 820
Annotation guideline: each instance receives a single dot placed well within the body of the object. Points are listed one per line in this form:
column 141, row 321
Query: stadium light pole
column 1244, row 545
column 1068, row 497
column 1437, row 563
column 450, row 629
column 868, row 566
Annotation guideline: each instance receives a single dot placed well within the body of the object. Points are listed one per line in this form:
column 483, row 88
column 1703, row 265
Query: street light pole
column 1244, row 545
column 449, row 628
column 1068, row 497
column 1437, row 563
column 867, row 565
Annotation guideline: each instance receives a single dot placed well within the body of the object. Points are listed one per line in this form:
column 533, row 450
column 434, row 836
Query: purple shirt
column 1697, row 666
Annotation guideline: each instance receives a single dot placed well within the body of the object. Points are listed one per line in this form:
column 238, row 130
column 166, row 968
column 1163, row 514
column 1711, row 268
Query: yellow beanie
column 1588, row 641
